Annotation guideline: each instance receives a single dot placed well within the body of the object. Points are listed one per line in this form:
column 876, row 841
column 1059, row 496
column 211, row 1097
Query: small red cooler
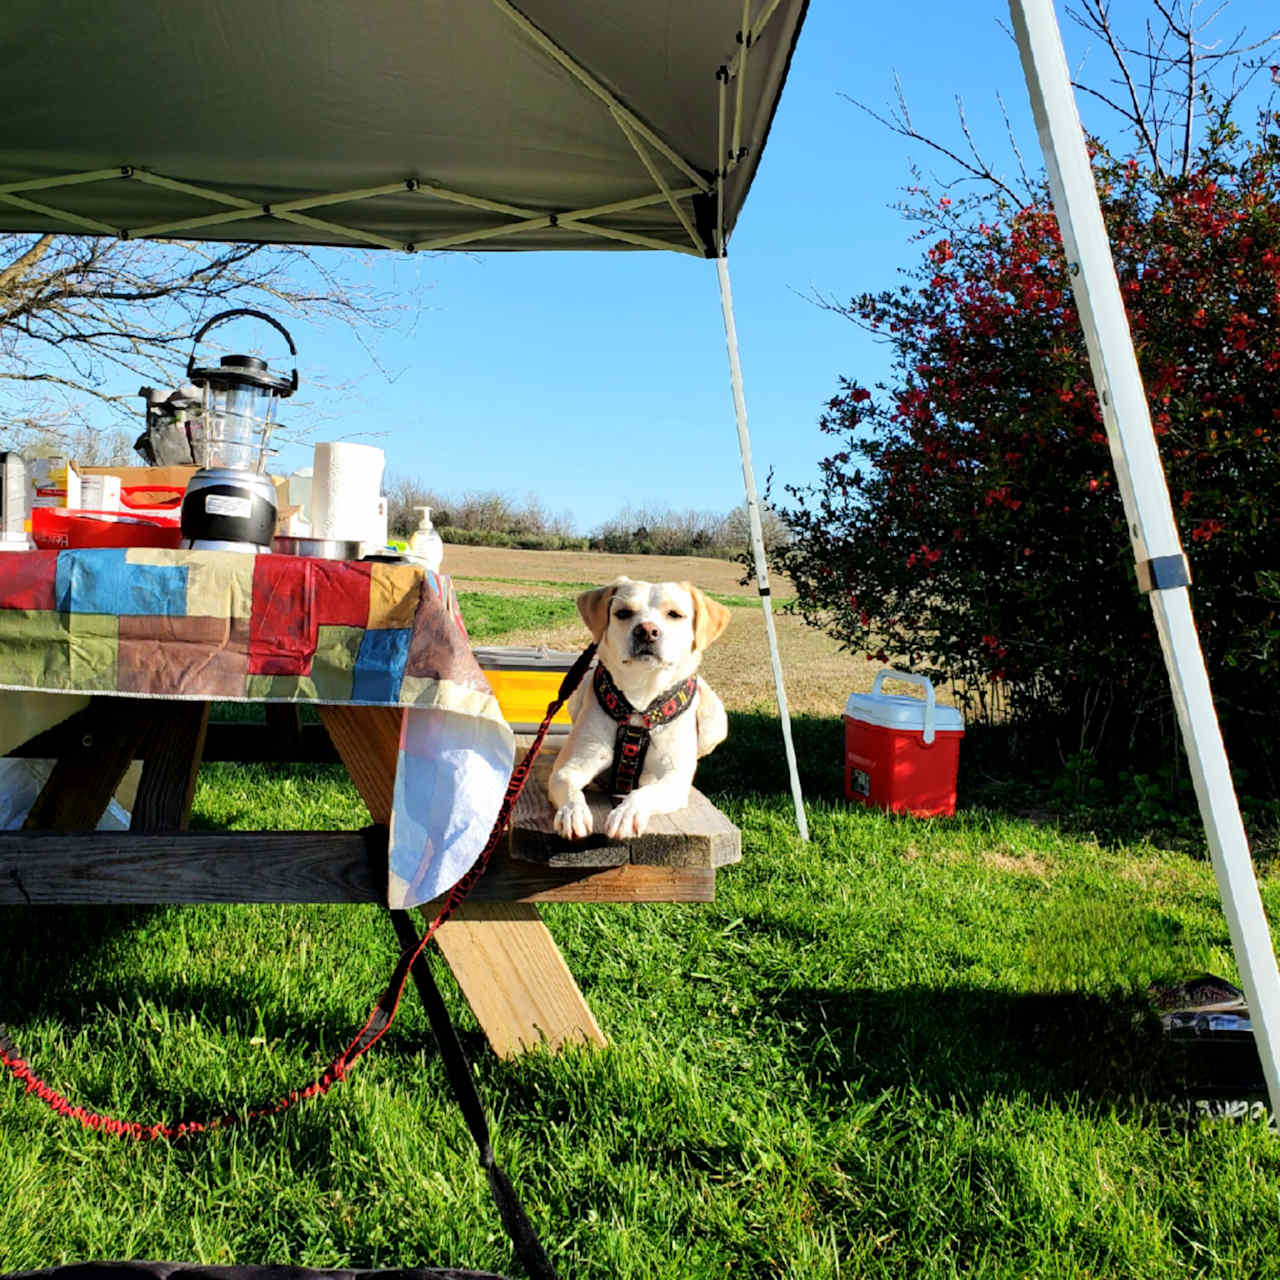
column 901, row 753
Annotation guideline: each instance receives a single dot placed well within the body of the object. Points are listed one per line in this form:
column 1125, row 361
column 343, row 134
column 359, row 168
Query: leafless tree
column 85, row 320
column 1158, row 83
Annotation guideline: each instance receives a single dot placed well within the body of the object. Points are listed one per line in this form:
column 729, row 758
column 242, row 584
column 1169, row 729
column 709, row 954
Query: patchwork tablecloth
column 147, row 622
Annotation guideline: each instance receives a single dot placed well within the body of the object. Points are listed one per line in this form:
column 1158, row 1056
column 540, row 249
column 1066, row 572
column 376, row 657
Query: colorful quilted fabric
column 150, row 622
column 154, row 622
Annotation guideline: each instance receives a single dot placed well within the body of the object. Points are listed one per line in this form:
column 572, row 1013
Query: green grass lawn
column 490, row 616
column 905, row 1048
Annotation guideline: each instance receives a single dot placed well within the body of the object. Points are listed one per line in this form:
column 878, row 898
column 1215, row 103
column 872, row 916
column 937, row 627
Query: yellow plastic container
column 525, row 682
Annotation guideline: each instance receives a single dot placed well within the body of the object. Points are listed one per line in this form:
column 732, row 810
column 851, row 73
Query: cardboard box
column 167, row 478
column 53, row 482
column 130, row 476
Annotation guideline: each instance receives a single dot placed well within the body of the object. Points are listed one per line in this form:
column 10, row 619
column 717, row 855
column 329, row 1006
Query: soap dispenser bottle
column 425, row 546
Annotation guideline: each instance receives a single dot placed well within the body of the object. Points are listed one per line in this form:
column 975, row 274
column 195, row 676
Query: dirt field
column 472, row 566
column 817, row 676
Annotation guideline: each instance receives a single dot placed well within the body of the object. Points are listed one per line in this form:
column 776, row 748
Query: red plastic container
column 150, row 516
column 55, row 528
column 901, row 753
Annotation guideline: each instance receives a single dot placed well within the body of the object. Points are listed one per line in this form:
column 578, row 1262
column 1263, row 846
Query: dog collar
column 632, row 742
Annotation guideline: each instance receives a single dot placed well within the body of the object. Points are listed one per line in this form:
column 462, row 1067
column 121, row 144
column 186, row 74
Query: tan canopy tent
column 551, row 124
column 427, row 125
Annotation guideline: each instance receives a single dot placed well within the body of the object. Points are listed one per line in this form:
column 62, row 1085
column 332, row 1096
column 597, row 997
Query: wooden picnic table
column 505, row 960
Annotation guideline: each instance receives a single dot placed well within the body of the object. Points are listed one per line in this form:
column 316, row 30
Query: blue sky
column 594, row 381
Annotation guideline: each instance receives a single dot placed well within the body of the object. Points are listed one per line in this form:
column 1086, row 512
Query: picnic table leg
column 504, row 958
column 514, row 978
column 284, row 727
column 85, row 777
column 173, row 751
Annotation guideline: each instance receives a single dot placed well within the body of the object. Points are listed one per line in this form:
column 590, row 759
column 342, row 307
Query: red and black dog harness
column 632, row 743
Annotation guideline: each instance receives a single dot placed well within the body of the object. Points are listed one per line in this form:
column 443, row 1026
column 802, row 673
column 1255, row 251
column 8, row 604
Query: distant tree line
column 497, row 520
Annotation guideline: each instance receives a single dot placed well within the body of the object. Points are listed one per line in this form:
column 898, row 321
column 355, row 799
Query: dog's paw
column 628, row 820
column 573, row 819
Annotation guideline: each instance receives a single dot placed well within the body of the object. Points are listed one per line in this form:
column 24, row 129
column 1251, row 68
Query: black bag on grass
column 193, row 1271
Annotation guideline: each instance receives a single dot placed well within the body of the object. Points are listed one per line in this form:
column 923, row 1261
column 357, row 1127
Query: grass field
column 907, row 1048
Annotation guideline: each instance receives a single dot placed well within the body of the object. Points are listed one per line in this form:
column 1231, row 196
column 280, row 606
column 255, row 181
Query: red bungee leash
column 379, row 1020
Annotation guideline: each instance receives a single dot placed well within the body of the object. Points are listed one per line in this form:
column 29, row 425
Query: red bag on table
column 56, row 528
column 149, row 517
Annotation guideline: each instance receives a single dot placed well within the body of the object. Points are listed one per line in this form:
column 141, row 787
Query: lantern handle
column 231, row 315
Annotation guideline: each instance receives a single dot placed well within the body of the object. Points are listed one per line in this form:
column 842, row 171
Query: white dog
column 642, row 713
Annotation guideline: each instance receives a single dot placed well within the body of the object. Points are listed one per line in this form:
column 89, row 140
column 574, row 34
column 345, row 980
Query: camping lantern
column 230, row 504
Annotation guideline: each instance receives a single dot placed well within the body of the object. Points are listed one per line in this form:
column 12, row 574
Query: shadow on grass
column 962, row 1045
column 48, row 949
column 48, row 979
column 752, row 761
column 1003, row 770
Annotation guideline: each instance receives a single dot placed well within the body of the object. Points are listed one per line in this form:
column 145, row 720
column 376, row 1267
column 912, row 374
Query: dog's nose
column 647, row 631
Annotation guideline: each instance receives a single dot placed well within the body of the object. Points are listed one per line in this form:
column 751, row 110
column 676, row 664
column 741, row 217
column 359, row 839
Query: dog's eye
column 624, row 614
column 675, row 614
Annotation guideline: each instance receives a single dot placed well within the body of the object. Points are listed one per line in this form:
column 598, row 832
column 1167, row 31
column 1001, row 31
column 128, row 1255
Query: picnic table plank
column 522, row 993
column 295, row 867
column 698, row 835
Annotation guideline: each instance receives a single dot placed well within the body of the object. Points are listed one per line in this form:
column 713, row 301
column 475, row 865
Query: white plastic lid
column 894, row 712
column 899, row 711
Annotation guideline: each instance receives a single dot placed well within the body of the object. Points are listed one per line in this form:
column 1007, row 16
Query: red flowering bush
column 968, row 522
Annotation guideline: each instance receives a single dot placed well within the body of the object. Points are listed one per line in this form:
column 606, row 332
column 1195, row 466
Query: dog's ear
column 710, row 617
column 594, row 607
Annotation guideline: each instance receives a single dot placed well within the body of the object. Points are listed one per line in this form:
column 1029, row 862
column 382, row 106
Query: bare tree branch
column 78, row 312
column 1156, row 88
column 899, row 122
column 1097, row 19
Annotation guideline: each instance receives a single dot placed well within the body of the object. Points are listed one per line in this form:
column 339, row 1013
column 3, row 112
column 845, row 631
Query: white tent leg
column 1161, row 565
column 757, row 535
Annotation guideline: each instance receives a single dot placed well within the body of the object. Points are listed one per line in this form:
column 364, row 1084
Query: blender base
column 220, row 544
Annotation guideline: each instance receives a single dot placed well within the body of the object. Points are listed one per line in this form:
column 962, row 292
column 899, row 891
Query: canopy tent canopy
column 409, row 124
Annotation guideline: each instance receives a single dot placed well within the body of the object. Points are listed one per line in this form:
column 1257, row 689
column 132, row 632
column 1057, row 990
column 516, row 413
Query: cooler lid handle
column 931, row 700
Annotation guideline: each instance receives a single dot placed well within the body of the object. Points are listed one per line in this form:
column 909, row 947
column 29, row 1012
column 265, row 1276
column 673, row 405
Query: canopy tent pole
column 757, row 536
column 1161, row 565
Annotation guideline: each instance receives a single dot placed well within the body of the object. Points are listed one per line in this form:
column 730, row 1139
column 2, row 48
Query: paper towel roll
column 346, row 483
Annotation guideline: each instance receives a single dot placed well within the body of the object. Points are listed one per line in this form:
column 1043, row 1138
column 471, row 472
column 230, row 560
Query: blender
column 230, row 503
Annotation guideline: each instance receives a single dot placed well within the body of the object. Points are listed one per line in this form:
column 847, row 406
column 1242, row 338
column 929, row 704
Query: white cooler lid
column 901, row 711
